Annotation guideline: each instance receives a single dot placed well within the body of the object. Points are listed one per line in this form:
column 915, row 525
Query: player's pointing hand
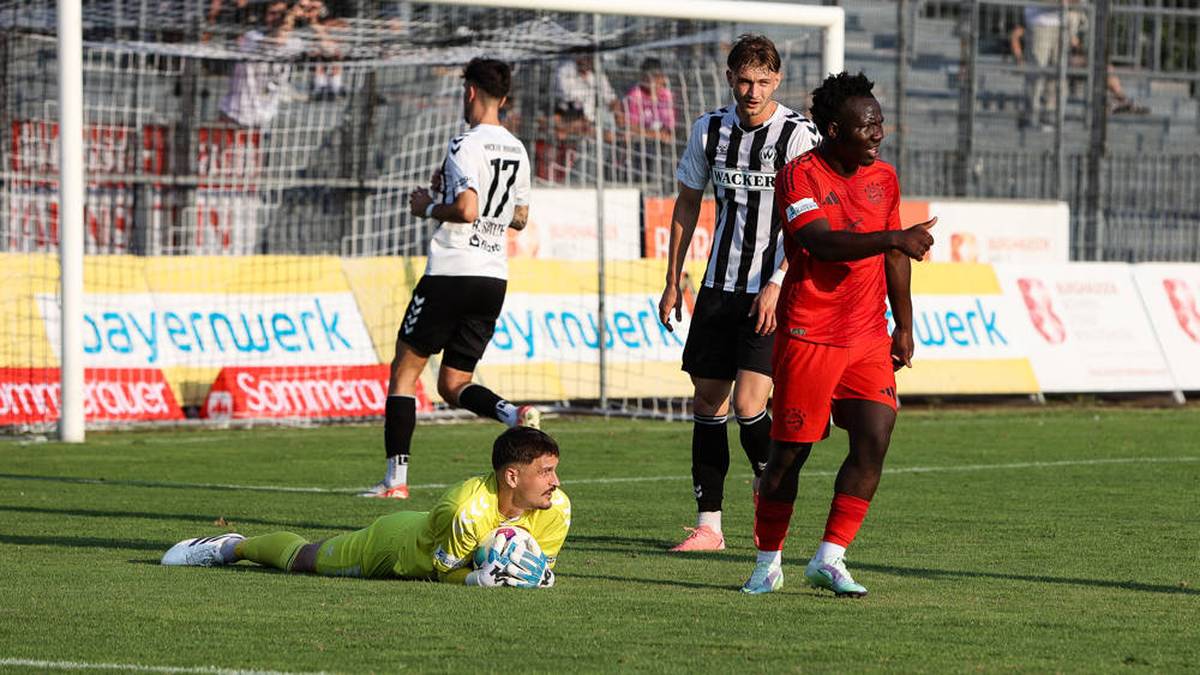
column 916, row 241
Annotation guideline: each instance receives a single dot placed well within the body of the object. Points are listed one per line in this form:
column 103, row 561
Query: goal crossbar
column 831, row 20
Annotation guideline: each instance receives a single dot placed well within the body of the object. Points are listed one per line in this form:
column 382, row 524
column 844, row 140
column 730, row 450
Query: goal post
column 70, row 185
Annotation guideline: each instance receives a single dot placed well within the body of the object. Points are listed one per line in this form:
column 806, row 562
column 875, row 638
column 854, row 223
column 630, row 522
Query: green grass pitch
column 1057, row 539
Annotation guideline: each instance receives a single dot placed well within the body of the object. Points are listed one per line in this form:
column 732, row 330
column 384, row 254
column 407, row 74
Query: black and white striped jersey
column 741, row 163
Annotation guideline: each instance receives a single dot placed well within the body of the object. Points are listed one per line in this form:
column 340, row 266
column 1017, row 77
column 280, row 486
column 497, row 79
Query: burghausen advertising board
column 1086, row 328
column 1171, row 293
column 994, row 231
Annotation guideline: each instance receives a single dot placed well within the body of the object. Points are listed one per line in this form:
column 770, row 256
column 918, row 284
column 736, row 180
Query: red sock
column 846, row 515
column 771, row 521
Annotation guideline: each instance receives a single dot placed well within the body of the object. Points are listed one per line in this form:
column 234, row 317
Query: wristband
column 429, row 210
column 777, row 277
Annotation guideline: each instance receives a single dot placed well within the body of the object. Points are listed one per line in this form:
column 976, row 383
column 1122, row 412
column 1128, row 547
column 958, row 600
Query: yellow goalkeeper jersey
column 466, row 513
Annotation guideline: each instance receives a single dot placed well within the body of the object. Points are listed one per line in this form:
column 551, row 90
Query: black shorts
column 455, row 314
column 721, row 339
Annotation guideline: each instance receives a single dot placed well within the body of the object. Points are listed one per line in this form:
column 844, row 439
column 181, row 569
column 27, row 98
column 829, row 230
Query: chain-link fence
column 1093, row 103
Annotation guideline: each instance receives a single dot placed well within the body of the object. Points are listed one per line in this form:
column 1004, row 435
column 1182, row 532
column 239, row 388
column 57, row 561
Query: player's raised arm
column 830, row 245
column 452, row 180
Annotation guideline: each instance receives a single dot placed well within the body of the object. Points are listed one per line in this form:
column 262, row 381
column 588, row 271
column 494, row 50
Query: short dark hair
column 494, row 77
column 828, row 99
column 651, row 65
column 521, row 445
column 753, row 49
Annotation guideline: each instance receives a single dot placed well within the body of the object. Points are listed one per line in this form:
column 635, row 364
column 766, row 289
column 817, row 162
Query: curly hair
column 828, row 99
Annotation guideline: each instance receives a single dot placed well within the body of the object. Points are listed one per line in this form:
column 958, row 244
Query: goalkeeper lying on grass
column 522, row 491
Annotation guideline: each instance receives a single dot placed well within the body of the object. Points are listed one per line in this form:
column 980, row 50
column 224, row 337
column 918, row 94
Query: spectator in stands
column 1042, row 27
column 575, row 86
column 258, row 86
column 325, row 21
column 649, row 106
column 1047, row 41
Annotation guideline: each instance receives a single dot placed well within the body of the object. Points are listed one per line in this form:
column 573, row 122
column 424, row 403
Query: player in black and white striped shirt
column 738, row 148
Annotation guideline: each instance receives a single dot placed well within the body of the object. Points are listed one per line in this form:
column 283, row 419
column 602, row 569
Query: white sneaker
column 201, row 551
column 766, row 578
column 833, row 575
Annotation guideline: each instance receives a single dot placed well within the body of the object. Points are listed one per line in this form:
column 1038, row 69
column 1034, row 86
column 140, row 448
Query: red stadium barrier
column 32, row 395
column 301, row 391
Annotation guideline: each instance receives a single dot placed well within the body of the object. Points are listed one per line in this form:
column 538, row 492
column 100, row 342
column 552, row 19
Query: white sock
column 828, row 552
column 397, row 471
column 507, row 413
column 773, row 557
column 711, row 519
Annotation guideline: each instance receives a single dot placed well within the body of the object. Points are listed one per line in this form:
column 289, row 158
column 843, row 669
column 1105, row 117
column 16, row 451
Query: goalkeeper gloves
column 513, row 564
column 528, row 569
column 493, row 572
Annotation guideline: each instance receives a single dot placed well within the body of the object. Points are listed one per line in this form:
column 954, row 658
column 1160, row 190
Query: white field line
column 131, row 667
column 964, row 468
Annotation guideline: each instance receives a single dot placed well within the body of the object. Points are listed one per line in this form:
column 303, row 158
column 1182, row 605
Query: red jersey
column 834, row 303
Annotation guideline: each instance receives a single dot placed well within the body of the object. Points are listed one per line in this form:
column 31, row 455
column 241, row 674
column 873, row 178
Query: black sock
column 710, row 461
column 399, row 421
column 480, row 400
column 755, row 433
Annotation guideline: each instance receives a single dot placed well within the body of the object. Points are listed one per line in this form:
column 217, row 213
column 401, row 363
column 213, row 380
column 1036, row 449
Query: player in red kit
column 846, row 254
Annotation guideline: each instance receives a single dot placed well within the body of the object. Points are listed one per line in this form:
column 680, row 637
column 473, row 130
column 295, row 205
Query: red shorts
column 809, row 377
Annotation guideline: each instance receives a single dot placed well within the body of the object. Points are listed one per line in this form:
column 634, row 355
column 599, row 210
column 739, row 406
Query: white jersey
column 256, row 87
column 741, row 163
column 493, row 163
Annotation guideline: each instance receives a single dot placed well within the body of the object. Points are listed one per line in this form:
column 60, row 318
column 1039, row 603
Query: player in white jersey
column 484, row 191
column 738, row 148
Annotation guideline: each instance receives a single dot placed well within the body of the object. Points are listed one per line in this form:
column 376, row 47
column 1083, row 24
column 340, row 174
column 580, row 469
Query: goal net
column 249, row 251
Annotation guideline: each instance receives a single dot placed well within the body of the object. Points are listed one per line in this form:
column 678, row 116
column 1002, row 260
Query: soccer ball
column 497, row 542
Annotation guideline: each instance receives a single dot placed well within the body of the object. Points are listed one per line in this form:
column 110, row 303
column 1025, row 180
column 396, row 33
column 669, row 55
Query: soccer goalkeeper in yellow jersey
column 522, row 491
